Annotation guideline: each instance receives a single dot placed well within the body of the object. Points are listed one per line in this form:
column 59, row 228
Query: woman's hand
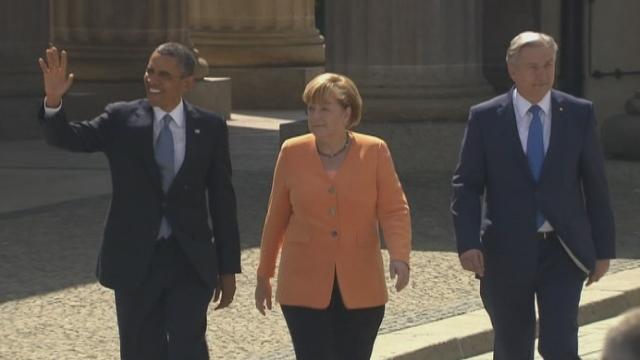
column 401, row 270
column 263, row 294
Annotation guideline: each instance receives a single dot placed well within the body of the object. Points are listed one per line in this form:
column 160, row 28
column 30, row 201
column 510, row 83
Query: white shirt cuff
column 48, row 111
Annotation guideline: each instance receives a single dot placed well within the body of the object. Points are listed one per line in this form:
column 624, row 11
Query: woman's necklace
column 342, row 149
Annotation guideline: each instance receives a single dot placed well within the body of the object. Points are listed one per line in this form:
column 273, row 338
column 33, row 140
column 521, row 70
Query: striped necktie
column 164, row 154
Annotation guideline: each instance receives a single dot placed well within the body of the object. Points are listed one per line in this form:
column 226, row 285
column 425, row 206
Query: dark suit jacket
column 572, row 192
column 200, row 204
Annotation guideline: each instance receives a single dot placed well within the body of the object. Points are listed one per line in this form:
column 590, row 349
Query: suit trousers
column 334, row 333
column 166, row 317
column 556, row 283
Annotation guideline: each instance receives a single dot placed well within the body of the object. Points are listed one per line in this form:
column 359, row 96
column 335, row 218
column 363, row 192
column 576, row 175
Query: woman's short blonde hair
column 341, row 87
column 529, row 38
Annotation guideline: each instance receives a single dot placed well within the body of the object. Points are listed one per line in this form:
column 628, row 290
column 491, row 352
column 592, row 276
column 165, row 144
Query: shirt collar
column 177, row 114
column 522, row 105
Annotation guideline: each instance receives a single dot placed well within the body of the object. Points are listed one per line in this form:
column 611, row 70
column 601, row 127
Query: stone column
column 270, row 48
column 418, row 65
column 24, row 35
column 256, row 32
column 111, row 40
column 501, row 21
column 109, row 43
column 411, row 59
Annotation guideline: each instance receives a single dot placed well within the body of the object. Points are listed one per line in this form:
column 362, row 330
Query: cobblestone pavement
column 51, row 222
column 590, row 337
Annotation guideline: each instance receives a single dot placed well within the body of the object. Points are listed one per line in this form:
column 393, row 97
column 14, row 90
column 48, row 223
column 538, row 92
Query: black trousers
column 166, row 317
column 334, row 333
column 557, row 285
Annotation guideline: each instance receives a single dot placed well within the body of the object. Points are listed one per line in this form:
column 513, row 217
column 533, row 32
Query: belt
column 546, row 235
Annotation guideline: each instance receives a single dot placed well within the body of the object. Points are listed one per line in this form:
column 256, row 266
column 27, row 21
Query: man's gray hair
column 623, row 339
column 185, row 56
column 529, row 38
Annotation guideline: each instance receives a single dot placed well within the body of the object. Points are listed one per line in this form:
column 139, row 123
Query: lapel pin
column 196, row 131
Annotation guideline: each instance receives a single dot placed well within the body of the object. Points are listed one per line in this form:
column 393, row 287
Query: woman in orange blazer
column 332, row 190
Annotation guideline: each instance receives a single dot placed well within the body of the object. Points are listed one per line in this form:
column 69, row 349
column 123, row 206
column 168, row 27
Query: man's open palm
column 54, row 73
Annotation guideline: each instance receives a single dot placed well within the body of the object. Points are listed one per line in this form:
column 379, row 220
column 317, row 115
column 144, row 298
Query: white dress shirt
column 523, row 120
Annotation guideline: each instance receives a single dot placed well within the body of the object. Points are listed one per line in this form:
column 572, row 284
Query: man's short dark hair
column 185, row 56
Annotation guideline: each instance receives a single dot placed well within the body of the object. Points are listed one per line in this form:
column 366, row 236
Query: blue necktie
column 164, row 154
column 535, row 150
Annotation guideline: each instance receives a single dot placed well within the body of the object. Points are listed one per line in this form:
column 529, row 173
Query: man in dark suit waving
column 531, row 206
column 171, row 237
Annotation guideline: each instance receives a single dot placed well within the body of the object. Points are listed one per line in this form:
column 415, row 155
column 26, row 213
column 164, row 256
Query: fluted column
column 111, row 40
column 24, row 35
column 255, row 32
column 412, row 59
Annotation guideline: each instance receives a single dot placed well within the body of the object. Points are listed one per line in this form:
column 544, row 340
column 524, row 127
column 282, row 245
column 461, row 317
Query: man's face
column 533, row 72
column 164, row 82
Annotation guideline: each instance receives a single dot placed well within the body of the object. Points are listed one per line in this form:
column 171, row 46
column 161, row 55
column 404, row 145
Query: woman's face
column 328, row 118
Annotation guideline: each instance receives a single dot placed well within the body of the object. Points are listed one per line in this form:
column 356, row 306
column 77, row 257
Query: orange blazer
column 329, row 227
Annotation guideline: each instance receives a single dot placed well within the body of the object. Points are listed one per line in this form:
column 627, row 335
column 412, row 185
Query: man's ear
column 188, row 82
column 511, row 70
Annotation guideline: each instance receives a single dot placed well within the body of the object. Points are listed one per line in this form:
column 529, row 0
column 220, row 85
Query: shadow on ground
column 53, row 247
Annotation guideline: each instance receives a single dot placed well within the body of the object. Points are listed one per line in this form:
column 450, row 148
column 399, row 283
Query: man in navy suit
column 531, row 206
column 171, row 239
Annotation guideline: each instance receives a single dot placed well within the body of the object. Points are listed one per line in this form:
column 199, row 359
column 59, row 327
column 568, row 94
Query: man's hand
column 401, row 269
column 225, row 290
column 473, row 260
column 602, row 266
column 54, row 73
column 263, row 294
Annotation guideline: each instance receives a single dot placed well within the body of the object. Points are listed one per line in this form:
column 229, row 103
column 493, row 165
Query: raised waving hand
column 54, row 73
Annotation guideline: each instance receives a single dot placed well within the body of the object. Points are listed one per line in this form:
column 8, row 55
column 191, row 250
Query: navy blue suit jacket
column 200, row 204
column 572, row 192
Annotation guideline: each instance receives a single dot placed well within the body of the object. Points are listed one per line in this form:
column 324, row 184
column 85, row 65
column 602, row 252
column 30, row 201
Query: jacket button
column 164, row 206
column 332, row 211
column 334, row 233
column 332, row 190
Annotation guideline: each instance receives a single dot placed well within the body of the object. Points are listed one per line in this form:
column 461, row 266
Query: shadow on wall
column 620, row 133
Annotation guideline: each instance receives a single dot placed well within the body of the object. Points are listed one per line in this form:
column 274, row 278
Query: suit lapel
column 144, row 120
column 346, row 169
column 314, row 157
column 191, row 134
column 558, row 127
column 507, row 117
